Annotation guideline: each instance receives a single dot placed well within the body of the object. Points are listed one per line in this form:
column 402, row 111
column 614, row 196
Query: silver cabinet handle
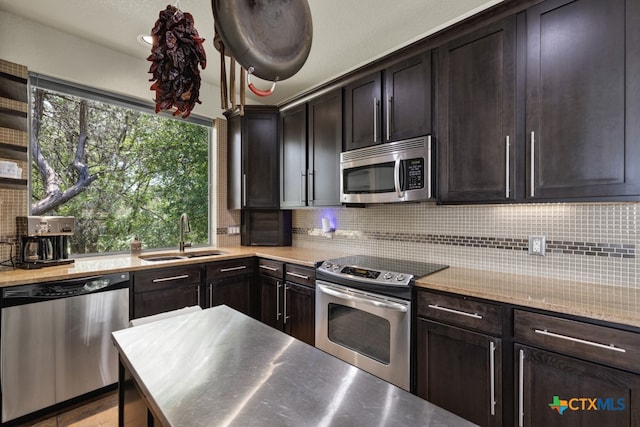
column 389, row 110
column 166, row 279
column 225, row 270
column 210, row 294
column 303, row 181
column 285, row 304
column 269, row 268
column 492, row 368
column 507, row 177
column 244, row 189
column 430, row 194
column 311, row 194
column 521, row 390
column 533, row 164
column 375, row 119
column 278, row 286
column 366, row 300
column 300, row 276
column 581, row 341
column 451, row 310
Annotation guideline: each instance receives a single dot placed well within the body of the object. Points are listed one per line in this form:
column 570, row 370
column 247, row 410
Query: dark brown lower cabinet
column 287, row 298
column 460, row 371
column 150, row 303
column 270, row 301
column 557, row 390
column 232, row 283
column 235, row 292
column 158, row 291
column 299, row 312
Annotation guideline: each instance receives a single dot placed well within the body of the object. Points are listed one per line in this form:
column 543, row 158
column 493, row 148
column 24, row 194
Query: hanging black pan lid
column 271, row 36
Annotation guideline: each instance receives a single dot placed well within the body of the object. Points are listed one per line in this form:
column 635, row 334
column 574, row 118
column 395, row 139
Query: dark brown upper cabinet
column 582, row 100
column 476, row 115
column 293, row 157
column 310, row 146
column 252, row 159
column 389, row 105
column 324, row 147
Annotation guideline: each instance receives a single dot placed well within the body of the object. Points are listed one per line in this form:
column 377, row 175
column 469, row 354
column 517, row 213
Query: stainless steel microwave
column 387, row 173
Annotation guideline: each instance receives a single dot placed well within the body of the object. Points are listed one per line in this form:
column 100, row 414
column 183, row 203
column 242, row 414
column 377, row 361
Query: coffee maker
column 44, row 240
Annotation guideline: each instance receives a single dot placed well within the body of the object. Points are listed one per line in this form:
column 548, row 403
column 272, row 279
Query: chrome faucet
column 184, row 226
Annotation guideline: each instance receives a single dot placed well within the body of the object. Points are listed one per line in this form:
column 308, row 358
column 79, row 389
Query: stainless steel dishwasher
column 56, row 340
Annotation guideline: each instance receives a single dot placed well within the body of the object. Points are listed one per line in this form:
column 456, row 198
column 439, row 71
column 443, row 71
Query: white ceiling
column 346, row 33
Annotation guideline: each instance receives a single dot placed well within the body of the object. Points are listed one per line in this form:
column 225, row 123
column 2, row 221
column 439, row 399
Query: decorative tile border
column 612, row 250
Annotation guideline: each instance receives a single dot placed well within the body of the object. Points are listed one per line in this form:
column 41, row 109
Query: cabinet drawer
column 603, row 344
column 302, row 275
column 233, row 267
column 461, row 311
column 271, row 268
column 154, row 280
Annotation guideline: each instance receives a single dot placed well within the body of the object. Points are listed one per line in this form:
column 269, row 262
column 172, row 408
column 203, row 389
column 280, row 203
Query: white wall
column 57, row 54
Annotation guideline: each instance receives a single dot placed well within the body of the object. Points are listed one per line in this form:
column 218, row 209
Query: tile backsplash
column 585, row 242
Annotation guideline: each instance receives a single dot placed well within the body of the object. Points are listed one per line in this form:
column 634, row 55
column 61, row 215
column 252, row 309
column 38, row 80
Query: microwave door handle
column 396, row 178
column 380, row 304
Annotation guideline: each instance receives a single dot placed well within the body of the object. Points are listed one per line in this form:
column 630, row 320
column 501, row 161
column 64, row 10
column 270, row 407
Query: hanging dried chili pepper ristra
column 176, row 53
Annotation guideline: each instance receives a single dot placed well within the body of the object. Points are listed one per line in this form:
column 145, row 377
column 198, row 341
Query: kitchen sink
column 172, row 256
column 161, row 257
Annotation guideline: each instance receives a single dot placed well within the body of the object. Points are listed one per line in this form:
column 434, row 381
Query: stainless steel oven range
column 364, row 310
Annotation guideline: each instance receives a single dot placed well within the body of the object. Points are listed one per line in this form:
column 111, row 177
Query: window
column 118, row 168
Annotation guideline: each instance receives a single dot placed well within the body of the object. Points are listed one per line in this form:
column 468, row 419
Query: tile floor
column 99, row 412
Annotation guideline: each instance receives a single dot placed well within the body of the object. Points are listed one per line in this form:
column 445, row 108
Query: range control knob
column 387, row 276
column 336, row 267
column 400, row 277
column 328, row 265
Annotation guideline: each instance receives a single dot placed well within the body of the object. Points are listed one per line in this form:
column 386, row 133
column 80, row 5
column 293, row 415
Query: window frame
column 124, row 101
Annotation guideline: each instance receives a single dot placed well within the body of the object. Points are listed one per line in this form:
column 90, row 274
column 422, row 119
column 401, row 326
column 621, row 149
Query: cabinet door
column 407, row 108
column 271, row 302
column 167, row 299
column 260, row 170
column 362, row 112
column 234, row 163
column 293, row 157
column 235, row 292
column 476, row 107
column 460, row 371
column 556, row 390
column 300, row 312
column 325, row 145
column 582, row 103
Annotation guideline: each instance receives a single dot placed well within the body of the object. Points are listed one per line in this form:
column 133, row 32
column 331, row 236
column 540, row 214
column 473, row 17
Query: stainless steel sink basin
column 172, row 256
column 160, row 257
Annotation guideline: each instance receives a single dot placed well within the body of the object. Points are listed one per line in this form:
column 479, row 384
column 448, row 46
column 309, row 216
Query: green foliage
column 150, row 170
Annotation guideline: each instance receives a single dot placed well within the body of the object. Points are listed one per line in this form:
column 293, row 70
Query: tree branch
column 54, row 196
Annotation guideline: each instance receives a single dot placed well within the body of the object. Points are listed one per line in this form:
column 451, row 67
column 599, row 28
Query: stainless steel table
column 218, row 367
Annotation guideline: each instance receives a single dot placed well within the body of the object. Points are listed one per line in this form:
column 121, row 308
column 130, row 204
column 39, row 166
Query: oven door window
column 377, row 178
column 362, row 332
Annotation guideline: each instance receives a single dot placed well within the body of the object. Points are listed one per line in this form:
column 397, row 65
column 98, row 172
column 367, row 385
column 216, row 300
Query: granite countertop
column 220, row 366
column 85, row 266
column 609, row 303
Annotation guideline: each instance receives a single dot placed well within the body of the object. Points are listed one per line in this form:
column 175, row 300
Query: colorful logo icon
column 587, row 404
column 559, row 405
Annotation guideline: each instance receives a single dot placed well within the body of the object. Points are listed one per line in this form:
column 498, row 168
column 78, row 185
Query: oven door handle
column 381, row 304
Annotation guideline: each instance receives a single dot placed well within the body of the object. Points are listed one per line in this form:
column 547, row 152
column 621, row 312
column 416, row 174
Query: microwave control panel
column 414, row 174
